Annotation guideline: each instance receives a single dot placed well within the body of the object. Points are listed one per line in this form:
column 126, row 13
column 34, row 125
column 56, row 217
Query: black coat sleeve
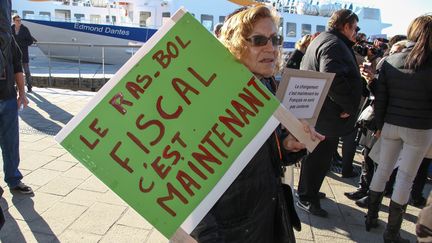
column 332, row 61
column 27, row 38
column 381, row 98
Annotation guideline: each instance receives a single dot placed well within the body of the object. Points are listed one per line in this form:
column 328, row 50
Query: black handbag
column 286, row 218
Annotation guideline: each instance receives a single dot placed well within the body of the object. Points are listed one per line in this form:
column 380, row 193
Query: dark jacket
column 247, row 209
column 404, row 97
column 10, row 58
column 295, row 59
column 331, row 52
column 24, row 40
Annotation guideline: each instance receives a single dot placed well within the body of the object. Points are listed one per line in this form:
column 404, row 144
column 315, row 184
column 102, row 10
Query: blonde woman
column 300, row 48
column 403, row 111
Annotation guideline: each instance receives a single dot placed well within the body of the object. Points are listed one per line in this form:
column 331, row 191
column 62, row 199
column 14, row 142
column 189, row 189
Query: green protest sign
column 171, row 123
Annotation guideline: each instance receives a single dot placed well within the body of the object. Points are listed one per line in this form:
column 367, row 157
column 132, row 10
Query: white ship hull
column 83, row 46
column 84, row 24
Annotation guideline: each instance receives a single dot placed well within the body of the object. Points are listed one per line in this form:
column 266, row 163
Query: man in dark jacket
column 331, row 52
column 11, row 68
column 24, row 39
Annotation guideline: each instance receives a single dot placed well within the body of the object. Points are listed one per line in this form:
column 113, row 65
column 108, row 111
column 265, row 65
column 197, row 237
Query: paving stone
column 111, row 198
column 31, row 208
column 18, row 231
column 77, row 172
column 35, row 161
column 93, row 184
column 306, row 229
column 57, row 218
column 133, row 219
column 326, row 239
column 98, row 218
column 82, row 197
column 71, row 236
column 125, row 234
column 55, row 151
column 41, row 177
column 59, row 165
column 156, row 237
column 61, row 185
column 68, row 157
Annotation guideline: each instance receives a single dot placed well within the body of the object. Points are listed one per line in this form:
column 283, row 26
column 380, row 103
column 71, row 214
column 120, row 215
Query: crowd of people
column 381, row 94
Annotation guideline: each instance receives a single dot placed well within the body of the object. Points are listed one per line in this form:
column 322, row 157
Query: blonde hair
column 239, row 26
column 303, row 43
column 420, row 31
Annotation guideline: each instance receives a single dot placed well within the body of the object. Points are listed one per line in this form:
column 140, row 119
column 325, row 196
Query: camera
column 362, row 49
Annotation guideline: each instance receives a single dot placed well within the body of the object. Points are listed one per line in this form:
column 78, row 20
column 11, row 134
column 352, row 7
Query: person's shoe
column 22, row 188
column 362, row 202
column 418, row 202
column 312, row 208
column 355, row 195
column 321, row 195
column 29, row 90
column 350, row 174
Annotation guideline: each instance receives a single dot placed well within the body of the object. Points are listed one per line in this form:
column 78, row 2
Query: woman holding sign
column 248, row 210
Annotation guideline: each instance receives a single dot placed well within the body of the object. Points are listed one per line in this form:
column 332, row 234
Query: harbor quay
column 71, row 205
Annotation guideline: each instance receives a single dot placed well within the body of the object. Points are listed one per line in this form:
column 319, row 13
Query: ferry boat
column 133, row 22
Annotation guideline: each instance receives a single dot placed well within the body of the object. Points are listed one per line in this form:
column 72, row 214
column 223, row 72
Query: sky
column 399, row 13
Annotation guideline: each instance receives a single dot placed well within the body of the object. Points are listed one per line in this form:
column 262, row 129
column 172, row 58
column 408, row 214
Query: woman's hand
column 377, row 134
column 344, row 115
column 314, row 135
column 367, row 73
column 290, row 143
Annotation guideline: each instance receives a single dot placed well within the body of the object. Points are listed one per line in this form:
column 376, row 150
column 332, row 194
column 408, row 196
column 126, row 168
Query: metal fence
column 76, row 59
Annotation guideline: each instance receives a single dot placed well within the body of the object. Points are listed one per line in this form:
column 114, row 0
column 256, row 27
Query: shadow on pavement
column 347, row 222
column 40, row 123
column 33, row 223
column 55, row 113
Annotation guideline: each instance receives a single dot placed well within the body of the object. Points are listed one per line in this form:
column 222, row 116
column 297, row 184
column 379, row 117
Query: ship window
column 291, row 29
column 95, row 18
column 113, row 19
column 165, row 17
column 25, row 13
column 107, row 18
column 306, row 29
column 207, row 21
column 63, row 15
column 320, row 28
column 79, row 17
column 221, row 19
column 45, row 15
column 144, row 18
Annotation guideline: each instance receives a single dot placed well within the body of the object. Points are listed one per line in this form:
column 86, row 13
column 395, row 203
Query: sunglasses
column 260, row 40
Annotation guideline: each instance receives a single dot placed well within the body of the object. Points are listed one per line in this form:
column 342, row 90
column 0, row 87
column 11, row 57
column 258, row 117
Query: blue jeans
column 9, row 141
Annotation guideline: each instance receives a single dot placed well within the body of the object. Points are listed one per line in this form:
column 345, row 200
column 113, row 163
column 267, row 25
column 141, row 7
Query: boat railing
column 77, row 64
